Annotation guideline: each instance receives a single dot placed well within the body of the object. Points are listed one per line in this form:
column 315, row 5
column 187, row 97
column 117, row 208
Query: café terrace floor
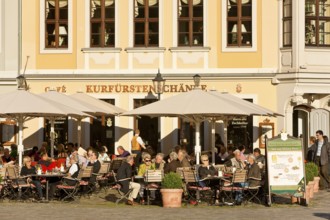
column 102, row 206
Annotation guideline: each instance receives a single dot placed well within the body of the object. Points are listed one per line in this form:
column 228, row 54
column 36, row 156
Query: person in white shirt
column 103, row 156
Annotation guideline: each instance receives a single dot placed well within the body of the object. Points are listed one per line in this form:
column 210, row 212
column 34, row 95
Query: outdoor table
column 47, row 177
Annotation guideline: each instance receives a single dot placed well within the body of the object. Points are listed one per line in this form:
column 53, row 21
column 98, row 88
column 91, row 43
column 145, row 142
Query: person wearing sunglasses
column 206, row 169
column 146, row 165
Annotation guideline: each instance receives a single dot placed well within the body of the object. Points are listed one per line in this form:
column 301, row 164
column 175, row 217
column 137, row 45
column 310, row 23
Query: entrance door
column 148, row 126
column 319, row 120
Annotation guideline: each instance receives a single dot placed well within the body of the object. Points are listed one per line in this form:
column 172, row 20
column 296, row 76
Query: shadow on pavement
column 323, row 215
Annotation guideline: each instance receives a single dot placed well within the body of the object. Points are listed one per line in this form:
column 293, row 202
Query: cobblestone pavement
column 101, row 206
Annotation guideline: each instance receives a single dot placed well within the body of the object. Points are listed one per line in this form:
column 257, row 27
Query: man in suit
column 321, row 158
column 124, row 177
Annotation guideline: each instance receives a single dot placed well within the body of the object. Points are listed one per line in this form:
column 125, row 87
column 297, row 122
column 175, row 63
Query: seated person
column 236, row 161
column 46, row 162
column 26, row 170
column 254, row 173
column 205, row 170
column 61, row 153
column 103, row 156
column 122, row 152
column 73, row 169
column 146, row 165
column 253, row 177
column 124, row 177
column 6, row 158
column 172, row 164
column 93, row 161
column 223, row 154
column 159, row 162
column 183, row 158
column 260, row 159
column 34, row 154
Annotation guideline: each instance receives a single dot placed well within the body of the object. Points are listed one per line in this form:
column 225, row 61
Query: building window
column 102, row 31
column 190, row 23
column 287, row 23
column 146, row 23
column 56, row 23
column 239, row 23
column 317, row 23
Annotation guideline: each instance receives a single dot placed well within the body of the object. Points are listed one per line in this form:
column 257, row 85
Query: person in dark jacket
column 93, row 161
column 173, row 163
column 26, row 170
column 124, row 178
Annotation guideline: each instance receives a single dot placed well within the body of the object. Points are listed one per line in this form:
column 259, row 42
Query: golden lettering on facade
column 122, row 88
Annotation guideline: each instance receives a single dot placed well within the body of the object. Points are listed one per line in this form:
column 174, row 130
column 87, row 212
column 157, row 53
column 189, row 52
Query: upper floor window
column 317, row 23
column 287, row 23
column 102, row 23
column 239, row 23
column 146, row 23
column 56, row 23
column 190, row 22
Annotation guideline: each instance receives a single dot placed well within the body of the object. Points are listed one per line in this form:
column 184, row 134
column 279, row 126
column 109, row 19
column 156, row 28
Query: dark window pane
column 153, row 27
column 198, row 26
column 51, row 13
column 154, row 11
column 153, row 39
column 232, row 11
column 232, row 26
column 50, row 32
column 140, row 11
column 184, row 10
column 96, row 28
column 95, row 40
column 184, row 26
column 198, row 39
column 139, row 39
column 139, row 27
column 183, row 39
column 109, row 10
column 246, row 38
column 198, row 11
column 246, row 10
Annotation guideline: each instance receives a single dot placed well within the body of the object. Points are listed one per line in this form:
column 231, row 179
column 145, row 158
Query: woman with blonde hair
column 26, row 170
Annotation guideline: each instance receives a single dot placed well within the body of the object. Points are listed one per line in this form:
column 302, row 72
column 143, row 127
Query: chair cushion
column 83, row 183
column 199, row 188
column 153, row 186
column 65, row 187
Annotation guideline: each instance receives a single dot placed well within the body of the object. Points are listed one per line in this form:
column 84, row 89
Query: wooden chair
column 102, row 177
column 116, row 163
column 70, row 186
column 153, row 178
column 117, row 186
column 232, row 186
column 195, row 191
column 86, row 188
column 19, row 187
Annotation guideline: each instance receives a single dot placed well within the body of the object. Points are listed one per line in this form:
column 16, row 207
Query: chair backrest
column 189, row 176
column 11, row 172
column 116, row 163
column 240, row 176
column 219, row 167
column 154, row 176
column 180, row 170
column 86, row 172
column 104, row 168
column 3, row 173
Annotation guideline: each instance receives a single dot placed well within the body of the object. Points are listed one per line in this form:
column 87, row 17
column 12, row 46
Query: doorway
column 149, row 127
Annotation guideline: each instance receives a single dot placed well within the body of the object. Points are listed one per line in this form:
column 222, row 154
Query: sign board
column 285, row 166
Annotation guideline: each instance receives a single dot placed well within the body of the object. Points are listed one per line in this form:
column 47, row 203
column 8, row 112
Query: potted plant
column 311, row 171
column 314, row 172
column 172, row 190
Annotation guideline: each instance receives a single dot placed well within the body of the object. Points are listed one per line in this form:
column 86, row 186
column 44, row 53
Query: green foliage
column 311, row 171
column 172, row 181
column 0, row 179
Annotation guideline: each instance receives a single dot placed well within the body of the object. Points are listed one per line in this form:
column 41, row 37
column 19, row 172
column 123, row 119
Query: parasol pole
column 20, row 140
column 197, row 139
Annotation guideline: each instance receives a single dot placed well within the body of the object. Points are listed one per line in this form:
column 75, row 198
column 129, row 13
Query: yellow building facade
column 112, row 49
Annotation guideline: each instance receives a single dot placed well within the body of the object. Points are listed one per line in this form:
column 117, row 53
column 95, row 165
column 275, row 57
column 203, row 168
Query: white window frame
column 1, row 31
column 43, row 49
column 225, row 48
